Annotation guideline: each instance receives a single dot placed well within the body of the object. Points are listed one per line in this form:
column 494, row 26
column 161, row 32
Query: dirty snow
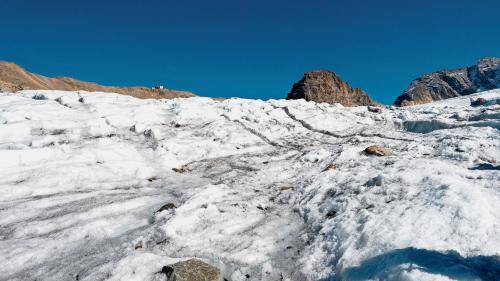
column 82, row 176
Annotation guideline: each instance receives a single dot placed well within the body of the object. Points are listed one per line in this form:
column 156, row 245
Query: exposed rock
column 331, row 167
column 165, row 207
column 326, row 86
column 331, row 214
column 191, row 270
column 39, row 97
column 452, row 83
column 286, row 188
column 14, row 78
column 478, row 102
column 180, row 170
column 377, row 150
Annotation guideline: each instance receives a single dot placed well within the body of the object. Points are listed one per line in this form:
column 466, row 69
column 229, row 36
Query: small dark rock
column 377, row 150
column 39, row 97
column 180, row 170
column 331, row 214
column 165, row 207
column 478, row 102
column 168, row 271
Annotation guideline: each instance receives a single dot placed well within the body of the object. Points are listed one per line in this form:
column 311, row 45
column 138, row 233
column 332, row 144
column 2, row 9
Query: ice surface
column 82, row 176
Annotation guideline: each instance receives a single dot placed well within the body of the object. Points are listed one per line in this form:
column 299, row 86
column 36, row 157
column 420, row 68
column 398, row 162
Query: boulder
column 377, row 150
column 191, row 270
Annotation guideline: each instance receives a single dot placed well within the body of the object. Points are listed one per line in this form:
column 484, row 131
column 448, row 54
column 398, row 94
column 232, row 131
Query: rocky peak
column 327, row 86
column 485, row 75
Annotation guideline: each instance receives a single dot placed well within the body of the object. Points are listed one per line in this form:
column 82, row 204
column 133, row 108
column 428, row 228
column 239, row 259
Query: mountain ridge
column 15, row 78
column 448, row 83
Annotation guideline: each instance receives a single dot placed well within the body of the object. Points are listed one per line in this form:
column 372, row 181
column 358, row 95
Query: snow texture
column 83, row 177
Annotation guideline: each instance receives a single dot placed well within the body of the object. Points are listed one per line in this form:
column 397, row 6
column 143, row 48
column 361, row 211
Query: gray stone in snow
column 39, row 97
column 191, row 270
column 376, row 181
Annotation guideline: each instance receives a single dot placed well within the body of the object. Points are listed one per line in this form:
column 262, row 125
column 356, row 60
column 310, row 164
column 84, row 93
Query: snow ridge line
column 328, row 133
column 253, row 132
column 307, row 125
column 378, row 135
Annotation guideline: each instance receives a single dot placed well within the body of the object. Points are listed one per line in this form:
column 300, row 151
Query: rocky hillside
column 14, row 78
column 326, row 86
column 452, row 83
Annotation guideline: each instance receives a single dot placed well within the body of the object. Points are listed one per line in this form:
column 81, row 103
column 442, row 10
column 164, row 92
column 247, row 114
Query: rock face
column 14, row 78
column 378, row 150
column 192, row 270
column 326, row 86
column 452, row 83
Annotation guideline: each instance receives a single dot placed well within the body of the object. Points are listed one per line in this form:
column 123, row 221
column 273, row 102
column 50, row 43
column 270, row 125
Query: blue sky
column 251, row 49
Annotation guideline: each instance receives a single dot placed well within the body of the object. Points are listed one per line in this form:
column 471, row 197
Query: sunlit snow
column 82, row 176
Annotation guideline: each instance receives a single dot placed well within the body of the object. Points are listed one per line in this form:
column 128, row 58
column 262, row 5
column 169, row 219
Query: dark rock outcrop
column 452, row 83
column 326, row 86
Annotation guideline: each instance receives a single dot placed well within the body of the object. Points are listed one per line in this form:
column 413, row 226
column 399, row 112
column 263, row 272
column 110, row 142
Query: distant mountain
column 452, row 83
column 326, row 86
column 14, row 78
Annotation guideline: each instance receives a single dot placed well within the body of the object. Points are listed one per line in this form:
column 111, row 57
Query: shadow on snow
column 393, row 264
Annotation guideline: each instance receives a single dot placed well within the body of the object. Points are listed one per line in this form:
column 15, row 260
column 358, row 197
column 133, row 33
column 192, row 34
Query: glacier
column 244, row 186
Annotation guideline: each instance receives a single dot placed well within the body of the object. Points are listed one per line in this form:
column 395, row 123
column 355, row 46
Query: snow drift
column 243, row 186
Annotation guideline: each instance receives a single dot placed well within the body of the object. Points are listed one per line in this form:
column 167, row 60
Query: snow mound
column 264, row 190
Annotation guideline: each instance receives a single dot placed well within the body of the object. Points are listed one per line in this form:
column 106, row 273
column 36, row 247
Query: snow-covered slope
column 82, row 176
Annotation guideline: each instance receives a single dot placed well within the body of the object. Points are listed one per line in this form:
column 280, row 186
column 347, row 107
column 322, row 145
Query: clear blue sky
column 252, row 49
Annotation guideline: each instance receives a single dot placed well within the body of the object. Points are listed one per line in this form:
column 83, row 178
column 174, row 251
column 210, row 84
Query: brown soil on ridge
column 14, row 78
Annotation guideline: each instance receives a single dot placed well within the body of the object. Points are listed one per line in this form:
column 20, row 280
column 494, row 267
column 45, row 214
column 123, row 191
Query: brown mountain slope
column 326, row 86
column 14, row 78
